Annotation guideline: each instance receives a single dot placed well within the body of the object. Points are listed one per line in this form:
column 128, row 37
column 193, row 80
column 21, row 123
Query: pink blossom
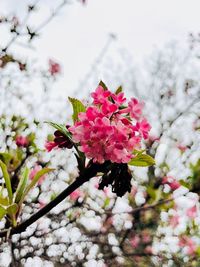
column 153, row 138
column 100, row 95
column 21, row 141
column 106, row 191
column 60, row 141
column 135, row 241
column 108, row 108
column 34, row 171
column 96, row 185
column 42, row 204
column 133, row 191
column 135, row 108
column 146, row 238
column 191, row 248
column 149, row 250
column 144, row 128
column 192, row 212
column 75, row 195
column 174, row 220
column 105, row 131
column 54, row 67
column 171, row 181
column 49, row 145
column 182, row 148
column 188, row 244
column 119, row 99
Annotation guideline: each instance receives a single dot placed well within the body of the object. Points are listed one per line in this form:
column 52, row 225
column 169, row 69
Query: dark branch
column 89, row 172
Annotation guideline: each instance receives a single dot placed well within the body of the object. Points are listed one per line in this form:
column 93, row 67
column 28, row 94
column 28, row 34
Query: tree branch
column 89, row 172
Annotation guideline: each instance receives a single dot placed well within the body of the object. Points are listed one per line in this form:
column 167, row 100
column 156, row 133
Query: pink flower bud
column 21, row 141
column 54, row 67
column 75, row 195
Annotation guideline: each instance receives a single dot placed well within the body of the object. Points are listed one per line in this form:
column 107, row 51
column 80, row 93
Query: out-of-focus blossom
column 42, row 204
column 149, row 250
column 188, row 244
column 54, row 67
column 153, row 138
column 182, row 148
column 174, row 220
column 22, row 141
column 192, row 212
column 171, row 181
column 133, row 191
column 34, row 171
column 134, row 241
column 146, row 238
column 15, row 21
column 75, row 195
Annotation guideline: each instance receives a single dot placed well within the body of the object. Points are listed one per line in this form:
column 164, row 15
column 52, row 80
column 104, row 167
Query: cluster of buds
column 60, row 141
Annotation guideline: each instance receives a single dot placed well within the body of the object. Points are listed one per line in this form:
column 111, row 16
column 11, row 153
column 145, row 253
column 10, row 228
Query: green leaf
column 106, row 202
column 185, row 184
column 12, row 209
column 151, row 192
column 36, row 178
column 62, row 128
column 198, row 251
column 77, row 108
column 53, row 196
column 22, row 185
column 4, row 201
column 101, row 83
column 142, row 160
column 2, row 212
column 5, row 157
column 137, row 152
column 119, row 90
column 155, row 194
column 7, row 180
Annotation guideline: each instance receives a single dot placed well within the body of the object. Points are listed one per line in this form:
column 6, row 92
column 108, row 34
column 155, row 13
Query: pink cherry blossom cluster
column 110, row 129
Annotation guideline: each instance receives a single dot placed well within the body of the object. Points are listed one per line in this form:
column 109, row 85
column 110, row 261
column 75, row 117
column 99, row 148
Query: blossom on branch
column 60, row 140
column 21, row 141
column 109, row 130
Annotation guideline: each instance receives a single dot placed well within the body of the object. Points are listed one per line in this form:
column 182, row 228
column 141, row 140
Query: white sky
column 77, row 35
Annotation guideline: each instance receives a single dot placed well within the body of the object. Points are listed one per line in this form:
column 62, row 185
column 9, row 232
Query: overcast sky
column 76, row 37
